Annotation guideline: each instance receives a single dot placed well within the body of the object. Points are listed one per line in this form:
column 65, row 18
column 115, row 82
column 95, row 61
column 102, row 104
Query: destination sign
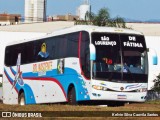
column 133, row 41
column 103, row 39
column 130, row 41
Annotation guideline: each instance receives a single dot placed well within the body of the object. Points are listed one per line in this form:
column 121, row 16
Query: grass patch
column 148, row 106
column 157, row 102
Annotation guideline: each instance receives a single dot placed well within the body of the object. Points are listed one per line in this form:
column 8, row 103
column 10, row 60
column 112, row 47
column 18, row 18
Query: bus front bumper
column 119, row 96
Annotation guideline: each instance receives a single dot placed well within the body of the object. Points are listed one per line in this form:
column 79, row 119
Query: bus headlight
column 99, row 87
column 142, row 90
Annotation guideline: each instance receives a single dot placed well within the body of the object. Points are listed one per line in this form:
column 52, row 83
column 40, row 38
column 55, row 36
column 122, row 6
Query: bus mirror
column 155, row 60
column 92, row 52
column 154, row 56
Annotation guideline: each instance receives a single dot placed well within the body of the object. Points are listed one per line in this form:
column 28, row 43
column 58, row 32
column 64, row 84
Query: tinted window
column 84, row 53
column 134, row 57
column 108, row 55
column 72, row 44
column 44, row 49
column 120, row 57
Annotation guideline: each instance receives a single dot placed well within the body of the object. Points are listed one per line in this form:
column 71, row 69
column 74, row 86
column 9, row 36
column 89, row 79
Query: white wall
column 153, row 43
column 4, row 23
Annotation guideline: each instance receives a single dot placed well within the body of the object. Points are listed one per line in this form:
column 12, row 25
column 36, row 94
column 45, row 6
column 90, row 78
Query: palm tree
column 102, row 18
column 89, row 16
column 117, row 22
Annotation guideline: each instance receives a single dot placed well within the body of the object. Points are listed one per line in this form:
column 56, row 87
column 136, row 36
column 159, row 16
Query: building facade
column 9, row 19
column 67, row 17
column 35, row 11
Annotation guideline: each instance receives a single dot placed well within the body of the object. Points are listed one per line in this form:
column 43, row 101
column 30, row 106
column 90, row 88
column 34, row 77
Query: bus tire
column 21, row 99
column 72, row 96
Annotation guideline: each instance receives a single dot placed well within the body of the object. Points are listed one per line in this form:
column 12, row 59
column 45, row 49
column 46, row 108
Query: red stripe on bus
column 47, row 79
column 79, row 55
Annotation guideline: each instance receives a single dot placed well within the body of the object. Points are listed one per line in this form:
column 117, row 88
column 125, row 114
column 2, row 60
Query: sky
column 132, row 9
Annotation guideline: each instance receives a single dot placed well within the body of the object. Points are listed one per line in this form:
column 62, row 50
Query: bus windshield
column 120, row 57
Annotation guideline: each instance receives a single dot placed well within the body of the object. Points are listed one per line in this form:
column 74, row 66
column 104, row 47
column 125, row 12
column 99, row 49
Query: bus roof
column 76, row 28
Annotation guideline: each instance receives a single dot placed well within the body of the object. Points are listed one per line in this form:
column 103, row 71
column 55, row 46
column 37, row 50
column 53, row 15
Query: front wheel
column 72, row 96
column 21, row 99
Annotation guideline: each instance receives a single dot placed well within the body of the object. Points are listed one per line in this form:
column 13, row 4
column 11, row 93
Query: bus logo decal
column 43, row 53
column 18, row 76
column 42, row 68
column 60, row 66
column 133, row 86
column 121, row 88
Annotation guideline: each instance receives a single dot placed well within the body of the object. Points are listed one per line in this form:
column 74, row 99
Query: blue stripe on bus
column 69, row 76
column 13, row 71
column 29, row 96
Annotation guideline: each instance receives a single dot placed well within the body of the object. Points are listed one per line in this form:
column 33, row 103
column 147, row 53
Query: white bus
column 80, row 63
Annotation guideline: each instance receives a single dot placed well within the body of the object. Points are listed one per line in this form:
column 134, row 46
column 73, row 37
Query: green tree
column 117, row 22
column 102, row 17
column 89, row 16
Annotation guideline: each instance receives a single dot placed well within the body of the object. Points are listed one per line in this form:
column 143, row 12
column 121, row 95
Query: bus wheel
column 72, row 96
column 21, row 99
